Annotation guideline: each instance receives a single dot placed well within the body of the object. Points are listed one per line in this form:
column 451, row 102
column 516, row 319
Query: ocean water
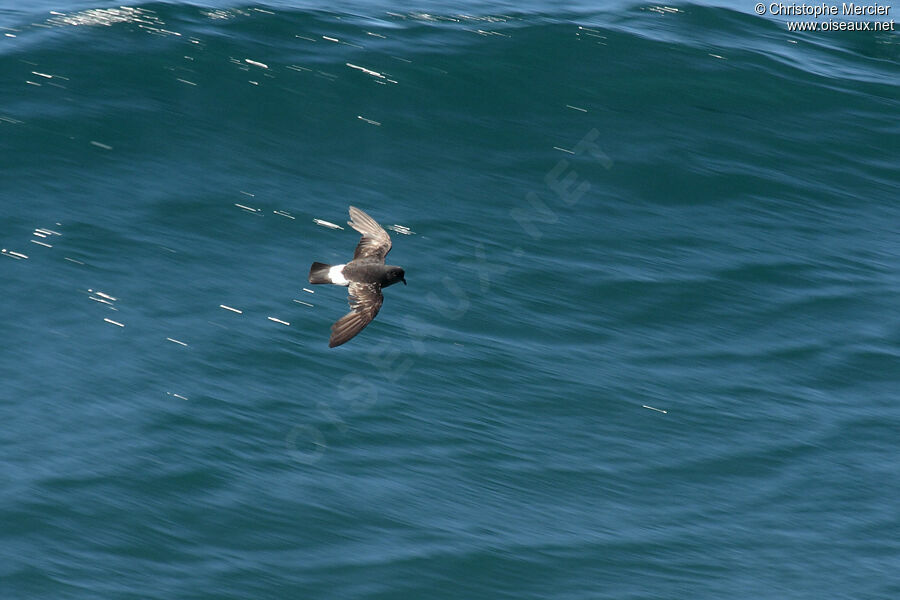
column 650, row 345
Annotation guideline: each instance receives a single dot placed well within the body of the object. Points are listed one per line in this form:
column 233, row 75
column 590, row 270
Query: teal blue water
column 650, row 345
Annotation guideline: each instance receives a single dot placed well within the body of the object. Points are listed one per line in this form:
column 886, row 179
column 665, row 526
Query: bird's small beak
column 403, row 279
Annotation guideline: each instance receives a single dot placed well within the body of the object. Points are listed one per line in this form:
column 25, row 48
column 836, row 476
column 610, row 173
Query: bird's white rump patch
column 336, row 275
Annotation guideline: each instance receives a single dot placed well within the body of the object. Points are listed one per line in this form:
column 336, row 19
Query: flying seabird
column 365, row 275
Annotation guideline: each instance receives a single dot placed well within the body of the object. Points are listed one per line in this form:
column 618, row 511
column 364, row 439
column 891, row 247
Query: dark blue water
column 650, row 345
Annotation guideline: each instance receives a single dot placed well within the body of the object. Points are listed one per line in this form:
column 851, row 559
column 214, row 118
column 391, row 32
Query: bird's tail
column 318, row 273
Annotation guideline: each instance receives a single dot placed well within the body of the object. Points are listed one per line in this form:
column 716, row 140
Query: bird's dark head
column 393, row 275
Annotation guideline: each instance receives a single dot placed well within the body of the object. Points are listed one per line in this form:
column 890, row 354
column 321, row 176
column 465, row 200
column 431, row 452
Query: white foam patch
column 336, row 276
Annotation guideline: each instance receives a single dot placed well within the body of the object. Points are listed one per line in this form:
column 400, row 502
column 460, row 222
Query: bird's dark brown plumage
column 365, row 275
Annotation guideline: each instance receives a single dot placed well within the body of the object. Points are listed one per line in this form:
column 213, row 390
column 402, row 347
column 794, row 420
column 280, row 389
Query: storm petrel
column 366, row 274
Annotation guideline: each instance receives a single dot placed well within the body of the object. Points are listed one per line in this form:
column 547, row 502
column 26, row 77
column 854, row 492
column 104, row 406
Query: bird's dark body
column 365, row 276
column 372, row 271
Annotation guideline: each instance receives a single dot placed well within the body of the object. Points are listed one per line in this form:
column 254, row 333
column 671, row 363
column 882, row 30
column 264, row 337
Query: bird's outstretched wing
column 365, row 301
column 375, row 242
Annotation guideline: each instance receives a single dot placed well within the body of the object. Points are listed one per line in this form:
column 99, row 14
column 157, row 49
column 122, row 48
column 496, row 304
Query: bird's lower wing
column 365, row 300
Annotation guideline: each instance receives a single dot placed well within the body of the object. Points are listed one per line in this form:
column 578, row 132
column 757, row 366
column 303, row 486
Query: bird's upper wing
column 375, row 242
column 365, row 300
